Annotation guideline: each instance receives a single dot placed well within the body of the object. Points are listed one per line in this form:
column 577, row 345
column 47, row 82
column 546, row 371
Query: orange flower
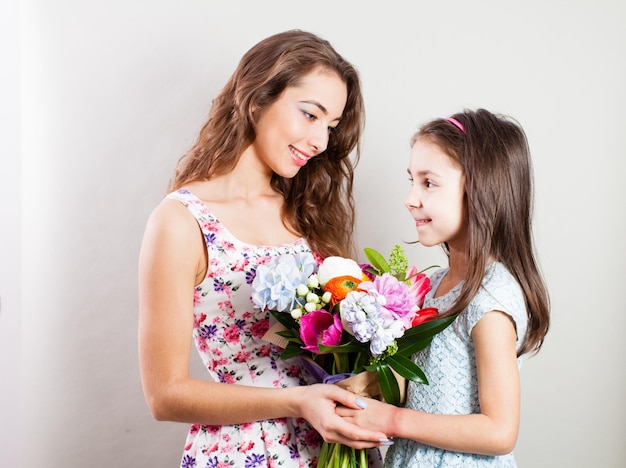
column 340, row 286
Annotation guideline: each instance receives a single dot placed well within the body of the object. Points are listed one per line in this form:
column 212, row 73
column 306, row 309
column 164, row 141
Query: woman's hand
column 321, row 405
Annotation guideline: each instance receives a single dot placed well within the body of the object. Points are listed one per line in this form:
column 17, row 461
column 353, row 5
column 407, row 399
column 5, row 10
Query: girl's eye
column 309, row 116
column 332, row 130
column 429, row 183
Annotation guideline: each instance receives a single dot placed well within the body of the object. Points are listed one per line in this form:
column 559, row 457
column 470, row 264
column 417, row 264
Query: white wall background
column 113, row 92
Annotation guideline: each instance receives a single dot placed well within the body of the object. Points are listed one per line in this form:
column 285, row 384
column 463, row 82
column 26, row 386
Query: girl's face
column 296, row 127
column 436, row 197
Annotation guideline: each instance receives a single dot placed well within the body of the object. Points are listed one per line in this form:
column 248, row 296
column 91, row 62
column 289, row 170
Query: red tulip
column 420, row 284
column 424, row 315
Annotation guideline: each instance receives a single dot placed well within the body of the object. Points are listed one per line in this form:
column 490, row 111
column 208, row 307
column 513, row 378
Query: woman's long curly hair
column 319, row 204
column 493, row 153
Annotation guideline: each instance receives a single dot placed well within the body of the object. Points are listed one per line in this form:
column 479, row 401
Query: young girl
column 471, row 193
column 270, row 174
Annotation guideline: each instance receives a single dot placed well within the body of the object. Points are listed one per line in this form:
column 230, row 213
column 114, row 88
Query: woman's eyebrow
column 319, row 105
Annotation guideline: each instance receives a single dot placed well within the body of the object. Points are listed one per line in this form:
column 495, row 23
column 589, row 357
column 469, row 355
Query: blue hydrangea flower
column 275, row 283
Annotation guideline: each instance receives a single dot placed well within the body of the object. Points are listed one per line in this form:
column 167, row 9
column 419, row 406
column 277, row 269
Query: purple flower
column 188, row 462
column 207, row 331
column 368, row 270
column 360, row 312
column 320, row 327
column 367, row 319
column 256, row 460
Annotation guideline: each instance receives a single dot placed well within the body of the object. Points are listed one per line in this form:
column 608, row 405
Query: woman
column 270, row 174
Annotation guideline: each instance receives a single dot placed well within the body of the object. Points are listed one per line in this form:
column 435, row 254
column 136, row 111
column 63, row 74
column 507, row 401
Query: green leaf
column 290, row 335
column 420, row 336
column 428, row 329
column 407, row 368
column 406, row 349
column 388, row 383
column 362, row 359
column 291, row 350
column 350, row 347
column 377, row 260
column 286, row 320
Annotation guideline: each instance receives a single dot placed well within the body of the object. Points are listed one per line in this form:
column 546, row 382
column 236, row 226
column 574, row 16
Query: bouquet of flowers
column 354, row 325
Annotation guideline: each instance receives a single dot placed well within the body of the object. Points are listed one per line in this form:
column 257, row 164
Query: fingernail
column 385, row 441
column 361, row 403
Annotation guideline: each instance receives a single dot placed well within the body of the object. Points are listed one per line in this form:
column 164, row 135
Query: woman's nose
column 318, row 140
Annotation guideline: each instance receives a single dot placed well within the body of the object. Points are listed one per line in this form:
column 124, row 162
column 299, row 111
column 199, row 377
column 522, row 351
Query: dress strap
column 206, row 220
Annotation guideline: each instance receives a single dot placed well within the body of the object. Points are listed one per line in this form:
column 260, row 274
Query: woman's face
column 296, row 127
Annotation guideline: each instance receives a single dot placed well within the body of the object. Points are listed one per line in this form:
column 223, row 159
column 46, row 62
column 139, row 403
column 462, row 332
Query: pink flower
column 242, row 356
column 259, row 328
column 312, row 438
column 231, row 334
column 198, row 319
column 420, row 285
column 293, row 371
column 398, row 300
column 320, row 327
column 367, row 270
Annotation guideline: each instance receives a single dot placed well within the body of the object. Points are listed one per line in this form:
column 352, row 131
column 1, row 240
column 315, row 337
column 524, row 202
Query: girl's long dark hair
column 319, row 204
column 493, row 152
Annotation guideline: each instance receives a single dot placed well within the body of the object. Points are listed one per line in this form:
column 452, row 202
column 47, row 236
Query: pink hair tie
column 456, row 123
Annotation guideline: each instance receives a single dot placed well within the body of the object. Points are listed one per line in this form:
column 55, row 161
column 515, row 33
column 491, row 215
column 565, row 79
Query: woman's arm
column 492, row 432
column 171, row 262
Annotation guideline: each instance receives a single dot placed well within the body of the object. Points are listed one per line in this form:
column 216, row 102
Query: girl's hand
column 375, row 416
column 320, row 405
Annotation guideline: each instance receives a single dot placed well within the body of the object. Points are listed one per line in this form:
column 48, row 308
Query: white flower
column 312, row 297
column 313, row 282
column 296, row 313
column 326, row 297
column 333, row 267
column 302, row 290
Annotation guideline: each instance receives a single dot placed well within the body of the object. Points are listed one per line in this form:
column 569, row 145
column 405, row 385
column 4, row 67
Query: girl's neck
column 458, row 267
column 457, row 271
column 457, row 262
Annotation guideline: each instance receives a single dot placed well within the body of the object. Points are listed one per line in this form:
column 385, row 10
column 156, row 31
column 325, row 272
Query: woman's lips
column 298, row 157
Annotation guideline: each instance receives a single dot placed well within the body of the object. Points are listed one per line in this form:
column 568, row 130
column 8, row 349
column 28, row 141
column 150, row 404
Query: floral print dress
column 228, row 333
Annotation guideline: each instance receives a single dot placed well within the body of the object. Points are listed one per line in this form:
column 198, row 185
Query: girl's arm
column 171, row 261
column 492, row 432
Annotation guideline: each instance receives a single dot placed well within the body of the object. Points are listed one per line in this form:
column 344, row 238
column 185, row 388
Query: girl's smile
column 435, row 200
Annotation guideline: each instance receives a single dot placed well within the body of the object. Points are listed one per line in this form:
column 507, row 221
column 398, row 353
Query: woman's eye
column 429, row 183
column 309, row 116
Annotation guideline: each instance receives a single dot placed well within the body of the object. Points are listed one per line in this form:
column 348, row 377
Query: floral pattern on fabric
column 227, row 333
